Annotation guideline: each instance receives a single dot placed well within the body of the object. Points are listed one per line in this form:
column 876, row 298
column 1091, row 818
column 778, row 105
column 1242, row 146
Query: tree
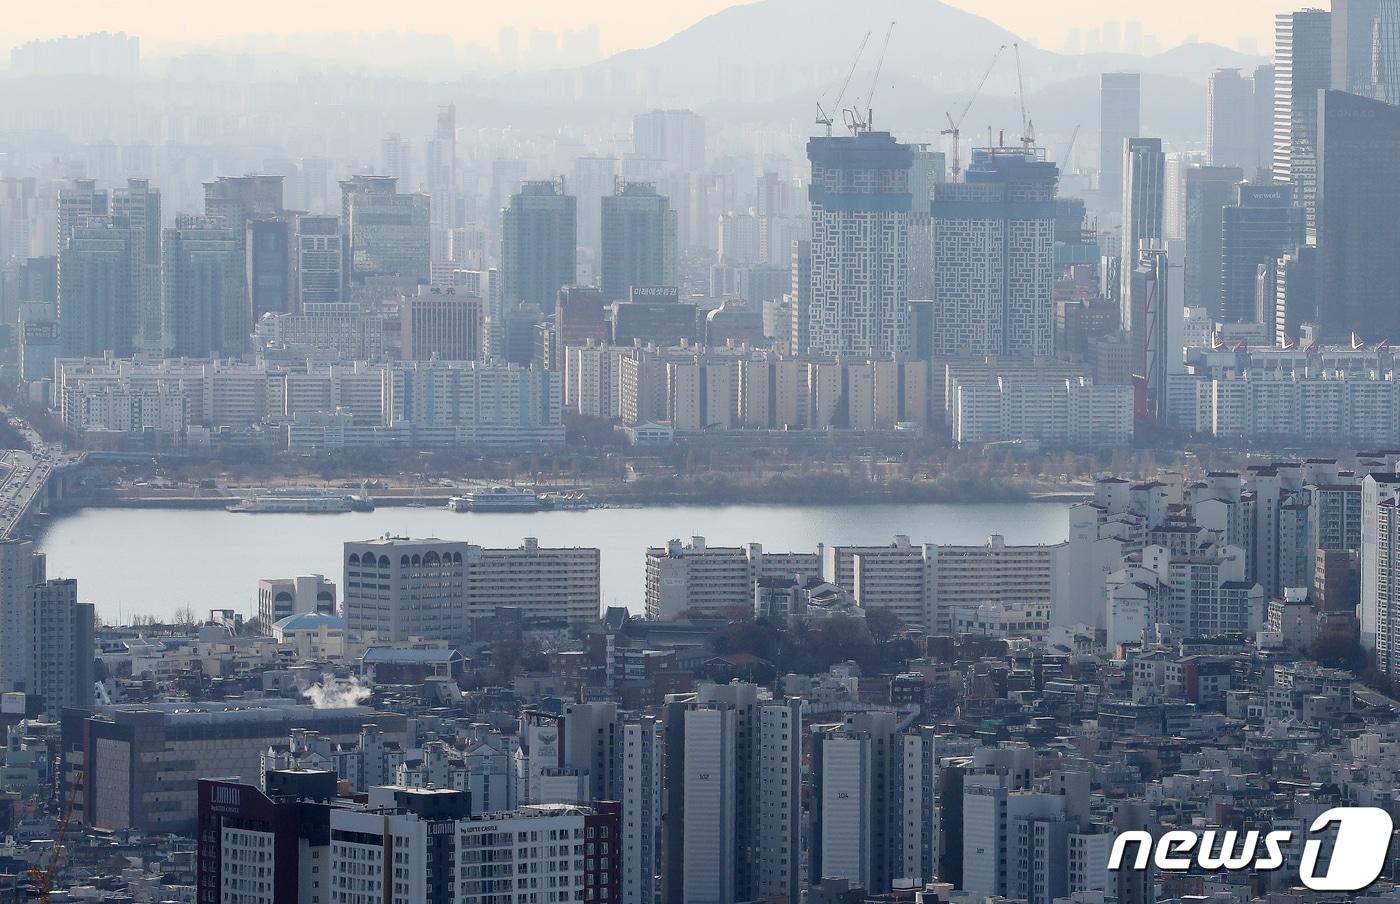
column 883, row 623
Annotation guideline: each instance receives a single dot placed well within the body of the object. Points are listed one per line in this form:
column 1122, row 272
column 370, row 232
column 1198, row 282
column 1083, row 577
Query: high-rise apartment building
column 697, row 577
column 639, row 240
column 640, row 788
column 994, row 257
column 1256, row 230
column 539, row 244
column 46, row 635
column 266, row 845
column 139, row 204
column 572, row 757
column 873, row 814
column 100, row 277
column 732, row 793
column 1358, row 194
column 1302, row 68
column 78, row 201
column 861, row 203
column 422, row 844
column 204, row 307
column 1120, row 118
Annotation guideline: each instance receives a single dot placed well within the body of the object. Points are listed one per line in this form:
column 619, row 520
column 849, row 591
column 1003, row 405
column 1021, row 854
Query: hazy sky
column 624, row 23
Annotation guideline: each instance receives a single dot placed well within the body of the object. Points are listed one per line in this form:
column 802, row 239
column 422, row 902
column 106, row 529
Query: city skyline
column 620, row 27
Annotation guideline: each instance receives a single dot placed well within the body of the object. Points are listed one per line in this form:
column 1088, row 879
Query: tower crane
column 823, row 117
column 43, row 877
column 955, row 125
column 1027, row 126
column 862, row 119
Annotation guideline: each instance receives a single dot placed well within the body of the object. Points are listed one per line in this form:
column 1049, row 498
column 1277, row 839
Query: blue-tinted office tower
column 994, row 256
column 1260, row 226
column 861, row 205
column 1209, row 190
column 1358, row 243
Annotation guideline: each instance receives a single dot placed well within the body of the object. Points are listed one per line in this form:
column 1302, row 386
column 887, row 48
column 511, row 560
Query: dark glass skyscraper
column 1358, row 207
column 1144, row 200
column 1209, row 189
column 1260, row 226
column 389, row 231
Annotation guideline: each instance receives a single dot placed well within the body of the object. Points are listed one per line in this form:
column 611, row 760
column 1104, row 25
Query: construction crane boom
column 1067, row 158
column 1027, row 126
column 868, row 121
column 44, row 878
column 823, row 117
column 955, row 125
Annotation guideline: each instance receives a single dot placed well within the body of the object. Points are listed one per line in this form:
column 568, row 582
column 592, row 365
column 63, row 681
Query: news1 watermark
column 1358, row 852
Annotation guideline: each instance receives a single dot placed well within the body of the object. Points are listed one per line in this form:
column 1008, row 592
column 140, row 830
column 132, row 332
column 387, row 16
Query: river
column 156, row 561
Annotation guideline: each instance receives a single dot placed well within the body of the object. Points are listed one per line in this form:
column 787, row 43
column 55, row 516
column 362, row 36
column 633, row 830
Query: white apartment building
column 698, row 577
column 738, row 388
column 1071, row 412
column 923, row 584
column 1204, row 593
column 710, row 814
column 1314, row 394
column 46, row 635
column 641, row 809
column 874, row 813
column 847, row 808
column 860, row 211
column 400, row 588
column 467, row 401
column 414, row 844
column 984, row 831
column 779, row 798
column 734, row 795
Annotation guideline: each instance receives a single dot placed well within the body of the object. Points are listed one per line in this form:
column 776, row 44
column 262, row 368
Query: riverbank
column 209, row 558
